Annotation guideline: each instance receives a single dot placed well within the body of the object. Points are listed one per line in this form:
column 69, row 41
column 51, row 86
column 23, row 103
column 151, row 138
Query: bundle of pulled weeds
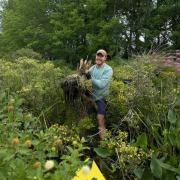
column 78, row 86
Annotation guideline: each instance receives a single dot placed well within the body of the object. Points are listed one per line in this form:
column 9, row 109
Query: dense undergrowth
column 44, row 138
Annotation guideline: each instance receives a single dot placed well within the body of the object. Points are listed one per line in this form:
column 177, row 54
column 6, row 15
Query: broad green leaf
column 24, row 151
column 139, row 172
column 177, row 103
column 171, row 117
column 9, row 157
column 147, row 175
column 167, row 175
column 102, row 152
column 169, row 167
column 142, row 141
column 155, row 167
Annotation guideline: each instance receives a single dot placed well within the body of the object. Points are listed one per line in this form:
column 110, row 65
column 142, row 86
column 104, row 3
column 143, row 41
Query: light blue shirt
column 101, row 78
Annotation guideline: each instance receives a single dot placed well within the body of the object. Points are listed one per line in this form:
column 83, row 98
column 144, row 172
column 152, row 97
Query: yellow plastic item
column 94, row 173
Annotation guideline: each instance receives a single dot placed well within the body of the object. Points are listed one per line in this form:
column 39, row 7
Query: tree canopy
column 72, row 29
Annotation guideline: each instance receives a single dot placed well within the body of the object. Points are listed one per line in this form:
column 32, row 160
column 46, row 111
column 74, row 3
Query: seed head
column 57, row 143
column 49, row 164
column 15, row 141
column 10, row 108
column 85, row 170
column 37, row 164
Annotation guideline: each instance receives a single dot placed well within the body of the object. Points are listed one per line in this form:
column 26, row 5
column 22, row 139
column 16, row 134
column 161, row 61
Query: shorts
column 101, row 106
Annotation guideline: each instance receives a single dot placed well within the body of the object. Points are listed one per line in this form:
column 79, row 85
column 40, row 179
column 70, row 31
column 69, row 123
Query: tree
column 64, row 29
column 25, row 24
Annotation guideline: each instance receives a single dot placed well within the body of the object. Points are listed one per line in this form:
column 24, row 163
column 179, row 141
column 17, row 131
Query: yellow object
column 94, row 173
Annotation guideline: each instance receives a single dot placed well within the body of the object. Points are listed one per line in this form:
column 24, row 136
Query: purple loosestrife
column 173, row 60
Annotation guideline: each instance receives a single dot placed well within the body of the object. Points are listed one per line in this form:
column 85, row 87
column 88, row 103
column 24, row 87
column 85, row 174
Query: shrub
column 25, row 52
column 38, row 83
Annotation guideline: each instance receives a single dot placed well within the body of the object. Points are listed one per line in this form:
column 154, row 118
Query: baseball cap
column 102, row 52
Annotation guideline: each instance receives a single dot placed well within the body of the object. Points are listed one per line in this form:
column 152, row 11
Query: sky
column 0, row 3
column 0, row 18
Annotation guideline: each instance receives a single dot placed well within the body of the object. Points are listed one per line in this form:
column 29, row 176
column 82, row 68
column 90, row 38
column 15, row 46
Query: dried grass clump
column 77, row 86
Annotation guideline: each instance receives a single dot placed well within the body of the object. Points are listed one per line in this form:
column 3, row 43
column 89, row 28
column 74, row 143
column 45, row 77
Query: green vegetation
column 73, row 29
column 42, row 137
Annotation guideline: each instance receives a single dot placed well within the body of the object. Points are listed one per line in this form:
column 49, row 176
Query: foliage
column 142, row 118
column 128, row 156
column 38, row 83
column 29, row 53
column 30, row 152
column 148, row 104
column 71, row 30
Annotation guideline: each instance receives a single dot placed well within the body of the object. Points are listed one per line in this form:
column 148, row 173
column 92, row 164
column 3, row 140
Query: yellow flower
column 12, row 101
column 75, row 143
column 55, row 137
column 28, row 143
column 53, row 149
